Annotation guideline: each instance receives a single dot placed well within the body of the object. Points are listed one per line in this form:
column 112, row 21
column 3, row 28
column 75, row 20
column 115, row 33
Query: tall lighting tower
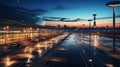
column 113, row 4
column 94, row 15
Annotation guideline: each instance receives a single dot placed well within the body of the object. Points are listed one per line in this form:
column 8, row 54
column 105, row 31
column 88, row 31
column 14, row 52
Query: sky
column 72, row 9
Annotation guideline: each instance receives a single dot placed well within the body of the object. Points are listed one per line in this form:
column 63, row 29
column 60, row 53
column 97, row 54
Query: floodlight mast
column 113, row 4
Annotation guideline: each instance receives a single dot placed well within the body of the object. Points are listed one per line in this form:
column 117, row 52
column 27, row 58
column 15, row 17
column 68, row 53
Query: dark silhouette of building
column 65, row 27
column 58, row 26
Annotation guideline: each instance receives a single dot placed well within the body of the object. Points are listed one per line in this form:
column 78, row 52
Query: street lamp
column 113, row 4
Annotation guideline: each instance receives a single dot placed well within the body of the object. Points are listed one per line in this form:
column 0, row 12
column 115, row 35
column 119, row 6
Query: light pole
column 113, row 4
column 94, row 20
column 89, row 30
column 90, row 59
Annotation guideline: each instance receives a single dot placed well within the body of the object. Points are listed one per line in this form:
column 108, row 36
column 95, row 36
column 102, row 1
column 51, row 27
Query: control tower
column 94, row 25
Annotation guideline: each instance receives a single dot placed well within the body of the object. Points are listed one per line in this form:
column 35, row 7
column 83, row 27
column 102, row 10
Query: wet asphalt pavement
column 76, row 52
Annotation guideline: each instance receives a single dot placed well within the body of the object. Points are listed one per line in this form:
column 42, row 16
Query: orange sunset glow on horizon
column 99, row 23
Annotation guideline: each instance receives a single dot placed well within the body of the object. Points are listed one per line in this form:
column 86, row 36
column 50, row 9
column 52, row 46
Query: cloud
column 32, row 11
column 59, row 7
column 117, row 16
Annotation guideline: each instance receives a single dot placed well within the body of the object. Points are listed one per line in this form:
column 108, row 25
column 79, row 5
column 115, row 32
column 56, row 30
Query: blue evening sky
column 66, row 8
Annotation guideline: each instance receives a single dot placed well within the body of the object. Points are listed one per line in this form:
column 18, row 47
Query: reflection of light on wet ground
column 55, row 59
column 37, row 46
column 105, row 48
column 29, row 58
column 109, row 65
column 27, row 55
column 28, row 50
column 39, row 52
column 25, row 50
column 50, row 44
column 90, row 60
column 96, row 40
column 28, row 61
column 52, row 40
column 83, row 51
column 8, row 62
column 61, row 49
column 28, row 65
column 116, row 56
